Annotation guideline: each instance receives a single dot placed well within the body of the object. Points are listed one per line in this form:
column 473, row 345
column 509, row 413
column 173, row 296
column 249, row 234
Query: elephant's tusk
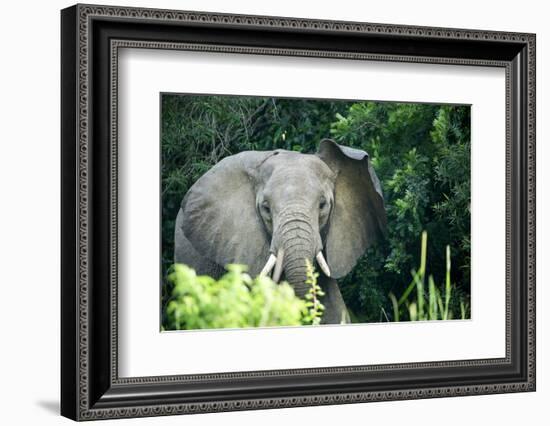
column 279, row 266
column 323, row 263
column 269, row 265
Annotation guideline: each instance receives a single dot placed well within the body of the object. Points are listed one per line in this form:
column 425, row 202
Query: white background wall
column 29, row 211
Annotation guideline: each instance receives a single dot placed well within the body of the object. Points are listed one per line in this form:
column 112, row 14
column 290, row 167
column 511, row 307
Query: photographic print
column 294, row 212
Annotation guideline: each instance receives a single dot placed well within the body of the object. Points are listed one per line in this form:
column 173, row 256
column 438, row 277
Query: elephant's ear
column 358, row 216
column 219, row 213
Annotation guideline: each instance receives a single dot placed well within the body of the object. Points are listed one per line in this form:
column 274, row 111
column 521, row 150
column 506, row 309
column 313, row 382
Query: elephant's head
column 275, row 209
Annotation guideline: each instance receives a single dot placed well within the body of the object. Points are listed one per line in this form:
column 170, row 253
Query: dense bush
column 421, row 153
column 237, row 301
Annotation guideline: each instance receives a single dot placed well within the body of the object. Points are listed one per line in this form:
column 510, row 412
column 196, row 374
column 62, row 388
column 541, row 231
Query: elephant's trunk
column 298, row 241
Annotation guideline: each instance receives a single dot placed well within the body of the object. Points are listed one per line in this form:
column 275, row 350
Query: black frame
column 90, row 38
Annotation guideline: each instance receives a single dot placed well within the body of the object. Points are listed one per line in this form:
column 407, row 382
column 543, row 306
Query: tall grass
column 432, row 303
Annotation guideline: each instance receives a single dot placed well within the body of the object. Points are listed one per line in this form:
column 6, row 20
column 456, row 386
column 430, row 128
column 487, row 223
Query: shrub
column 237, row 301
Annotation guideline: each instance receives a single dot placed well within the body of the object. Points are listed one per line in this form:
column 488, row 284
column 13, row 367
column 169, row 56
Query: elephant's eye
column 265, row 207
column 322, row 204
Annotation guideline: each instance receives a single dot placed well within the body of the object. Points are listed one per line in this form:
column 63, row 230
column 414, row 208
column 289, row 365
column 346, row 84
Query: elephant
column 272, row 210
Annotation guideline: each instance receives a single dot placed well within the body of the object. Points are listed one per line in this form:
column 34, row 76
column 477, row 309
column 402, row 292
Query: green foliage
column 237, row 301
column 421, row 154
column 429, row 305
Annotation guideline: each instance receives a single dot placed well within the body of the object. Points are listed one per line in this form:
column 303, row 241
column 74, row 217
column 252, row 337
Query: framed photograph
column 263, row 212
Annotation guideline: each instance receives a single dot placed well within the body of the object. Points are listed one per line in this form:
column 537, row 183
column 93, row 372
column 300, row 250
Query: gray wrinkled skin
column 256, row 202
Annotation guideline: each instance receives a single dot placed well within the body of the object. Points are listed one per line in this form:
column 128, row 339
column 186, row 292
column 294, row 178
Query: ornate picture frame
column 91, row 37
